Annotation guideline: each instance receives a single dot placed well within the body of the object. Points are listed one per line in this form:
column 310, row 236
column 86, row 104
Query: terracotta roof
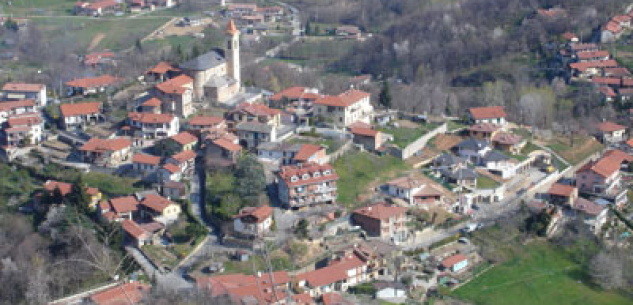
column 125, row 294
column 563, row 190
column 184, row 138
column 25, row 119
column 592, row 54
column 132, row 228
column 570, row 36
column 613, row 27
column 381, row 211
column 156, row 202
column 405, row 183
column 335, row 272
column 172, row 168
column 239, row 286
column 206, row 121
column 507, row 138
column 332, row 298
column 303, row 299
column 228, row 145
column 453, row 260
column 8, row 106
column 483, row 127
column 345, row 99
column 582, row 66
column 295, row 93
column 150, row 118
column 22, row 87
column 124, row 204
column 366, row 132
column 428, row 190
column 162, row 68
column 95, row 58
column 479, row 113
column 184, row 156
column 629, row 142
column 64, row 188
column 153, row 102
column 175, row 85
column 92, row 191
column 257, row 109
column 287, row 172
column 306, row 151
column 609, row 81
column 69, row 110
column 621, row 18
column 607, row 91
column 610, row 127
column 617, row 72
column 576, row 47
column 618, row 155
column 604, row 167
column 102, row 145
column 359, row 124
column 230, row 28
column 92, row 82
column 259, row 213
column 146, row 159
column 588, row 207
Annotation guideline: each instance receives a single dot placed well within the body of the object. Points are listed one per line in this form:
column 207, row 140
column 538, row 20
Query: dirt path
column 95, row 41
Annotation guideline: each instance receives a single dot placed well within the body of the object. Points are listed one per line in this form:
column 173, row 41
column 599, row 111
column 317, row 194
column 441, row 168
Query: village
column 303, row 197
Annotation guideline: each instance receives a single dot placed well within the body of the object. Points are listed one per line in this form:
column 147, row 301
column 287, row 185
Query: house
column 338, row 275
column 306, row 185
column 13, row 108
column 174, row 190
column 118, row 209
column 151, row 105
column 592, row 55
column 152, row 125
column 344, row 109
column 310, row 153
column 593, row 214
column 455, row 263
column 65, row 189
column 562, row 194
column 106, row 152
column 184, row 140
column 369, row 138
column 299, row 99
column 95, row 59
column 483, row 131
column 253, row 221
column 413, row 191
column 278, row 152
column 509, row 142
column 157, row 208
column 24, row 91
column 170, row 172
column 145, row 164
column 222, row 153
column 493, row 115
column 90, row 85
column 241, row 9
column 600, row 177
column 473, row 149
column 269, row 288
column 200, row 123
column 252, row 134
column 608, row 93
column 258, row 113
column 80, row 114
column 303, row 299
column 462, row 176
column 23, row 129
column 185, row 160
column 177, row 95
column 128, row 293
column 620, row 157
column 163, row 71
column 142, row 234
column 96, row 9
column 611, row 133
column 499, row 164
column 383, row 220
column 348, row 32
column 587, row 69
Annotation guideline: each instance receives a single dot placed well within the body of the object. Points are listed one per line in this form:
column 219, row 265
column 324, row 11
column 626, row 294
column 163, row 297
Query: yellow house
column 159, row 208
column 95, row 196
column 186, row 140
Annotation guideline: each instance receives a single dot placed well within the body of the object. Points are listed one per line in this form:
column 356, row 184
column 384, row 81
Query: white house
column 473, row 149
column 254, row 221
column 23, row 129
column 80, row 114
column 154, row 125
column 492, row 115
column 22, row 91
column 346, row 108
column 170, row 172
column 15, row 108
column 145, row 164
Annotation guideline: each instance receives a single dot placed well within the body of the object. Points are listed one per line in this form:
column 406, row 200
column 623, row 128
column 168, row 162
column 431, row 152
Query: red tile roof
column 162, row 68
column 150, row 118
column 332, row 298
column 8, row 106
column 25, row 119
column 230, row 27
column 307, row 151
column 124, row 204
column 345, row 99
column 132, row 228
column 69, row 110
column 479, row 113
column 287, row 172
column 257, row 109
column 610, row 127
column 621, row 18
column 617, row 72
column 607, row 91
column 259, row 213
column 562, row 190
column 64, row 188
column 295, row 93
column 228, row 145
column 172, row 168
column 604, row 167
column 94, row 58
column 239, row 286
column 184, row 138
column 22, row 87
column 570, row 36
column 184, row 156
column 153, row 102
column 175, row 85
column 592, row 54
column 206, row 121
column 92, row 82
column 588, row 207
column 609, row 81
column 483, row 127
column 103, row 145
column 366, row 132
column 618, row 156
column 381, row 211
column 125, row 294
column 335, row 272
column 303, row 299
column 582, row 66
column 613, row 27
column 146, row 159
column 506, row 138
column 629, row 142
column 156, row 202
column 453, row 260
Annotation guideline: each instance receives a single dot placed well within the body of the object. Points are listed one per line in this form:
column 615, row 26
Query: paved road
column 170, row 280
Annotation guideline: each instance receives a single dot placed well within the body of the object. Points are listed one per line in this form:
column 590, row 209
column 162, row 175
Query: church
column 213, row 77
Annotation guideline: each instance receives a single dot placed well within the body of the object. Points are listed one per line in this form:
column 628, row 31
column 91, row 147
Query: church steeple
column 233, row 50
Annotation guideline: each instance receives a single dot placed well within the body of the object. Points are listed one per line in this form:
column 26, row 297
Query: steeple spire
column 230, row 28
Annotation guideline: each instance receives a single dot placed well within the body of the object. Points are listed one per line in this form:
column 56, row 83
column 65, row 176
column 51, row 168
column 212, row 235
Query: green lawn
column 111, row 185
column 37, row 7
column 484, row 182
column 278, row 263
column 358, row 169
column 583, row 147
column 331, row 144
column 537, row 274
column 403, row 136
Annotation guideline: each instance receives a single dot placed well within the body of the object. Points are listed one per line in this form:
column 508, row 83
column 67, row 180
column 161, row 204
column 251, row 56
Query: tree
column 302, row 229
column 250, row 179
column 606, row 270
column 139, row 46
column 180, row 55
column 78, row 196
column 166, row 147
column 385, row 95
column 11, row 25
column 308, row 30
column 195, row 51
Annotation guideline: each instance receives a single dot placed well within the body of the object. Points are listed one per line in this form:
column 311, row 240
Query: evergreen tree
column 57, row 197
column 308, row 30
column 78, row 196
column 251, row 180
column 195, row 51
column 385, row 95
column 180, row 56
column 139, row 46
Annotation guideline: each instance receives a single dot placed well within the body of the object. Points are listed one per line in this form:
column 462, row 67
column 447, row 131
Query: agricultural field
column 583, row 147
column 538, row 273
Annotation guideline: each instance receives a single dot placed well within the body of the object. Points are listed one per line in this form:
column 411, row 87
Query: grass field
column 117, row 33
column 37, row 7
column 584, row 146
column 537, row 274
column 484, row 182
column 357, row 170
column 403, row 136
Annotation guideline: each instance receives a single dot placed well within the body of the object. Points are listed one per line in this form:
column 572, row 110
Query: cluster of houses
column 21, row 122
column 250, row 14
column 616, row 27
column 109, row 7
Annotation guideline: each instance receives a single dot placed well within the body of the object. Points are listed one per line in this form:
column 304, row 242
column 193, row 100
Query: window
column 294, row 178
column 316, row 175
column 305, row 176
column 327, row 172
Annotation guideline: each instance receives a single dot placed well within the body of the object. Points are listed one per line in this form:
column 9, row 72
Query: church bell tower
column 233, row 51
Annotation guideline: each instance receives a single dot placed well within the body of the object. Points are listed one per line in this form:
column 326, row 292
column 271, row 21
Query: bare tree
column 606, row 270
